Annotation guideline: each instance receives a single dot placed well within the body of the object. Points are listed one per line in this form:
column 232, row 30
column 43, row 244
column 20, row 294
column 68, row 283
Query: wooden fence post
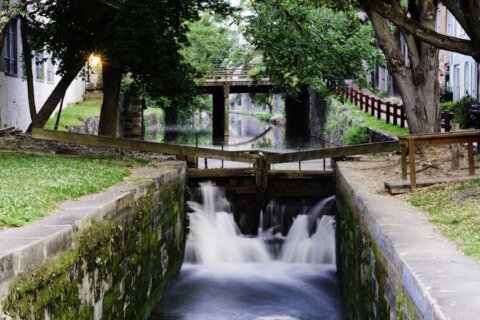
column 402, row 116
column 372, row 110
column 351, row 95
column 389, row 105
column 446, row 117
column 361, row 100
column 455, row 150
column 395, row 115
column 379, row 109
column 367, row 103
column 356, row 98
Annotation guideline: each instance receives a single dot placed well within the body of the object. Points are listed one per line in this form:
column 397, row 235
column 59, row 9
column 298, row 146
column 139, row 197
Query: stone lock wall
column 123, row 249
column 393, row 264
column 371, row 284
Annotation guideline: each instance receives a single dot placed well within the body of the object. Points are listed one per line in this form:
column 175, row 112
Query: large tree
column 466, row 12
column 140, row 38
column 416, row 77
column 302, row 43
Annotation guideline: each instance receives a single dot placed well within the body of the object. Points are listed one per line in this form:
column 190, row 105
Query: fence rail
column 390, row 112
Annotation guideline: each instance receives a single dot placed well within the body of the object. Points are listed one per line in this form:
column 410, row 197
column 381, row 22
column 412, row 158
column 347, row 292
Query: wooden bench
column 411, row 141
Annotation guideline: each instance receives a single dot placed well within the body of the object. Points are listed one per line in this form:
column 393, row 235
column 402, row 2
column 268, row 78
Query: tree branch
column 425, row 34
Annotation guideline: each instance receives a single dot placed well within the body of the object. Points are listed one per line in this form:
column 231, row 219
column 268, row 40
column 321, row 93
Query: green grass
column 373, row 123
column 32, row 186
column 262, row 116
column 74, row 115
column 158, row 111
column 459, row 222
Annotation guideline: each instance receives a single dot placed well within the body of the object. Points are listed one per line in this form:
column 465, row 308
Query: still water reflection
column 246, row 133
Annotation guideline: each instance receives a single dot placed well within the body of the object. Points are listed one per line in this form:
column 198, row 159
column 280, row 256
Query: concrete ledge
column 23, row 249
column 442, row 282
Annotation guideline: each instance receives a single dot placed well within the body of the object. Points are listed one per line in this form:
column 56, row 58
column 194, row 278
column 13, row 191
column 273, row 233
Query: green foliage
column 446, row 95
column 448, row 106
column 355, row 135
column 140, row 38
column 33, row 186
column 211, row 44
column 458, row 221
column 262, row 116
column 462, row 111
column 75, row 115
column 384, row 95
column 303, row 43
column 263, row 99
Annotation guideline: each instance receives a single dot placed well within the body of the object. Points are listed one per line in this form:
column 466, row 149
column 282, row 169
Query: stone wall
column 103, row 256
column 393, row 264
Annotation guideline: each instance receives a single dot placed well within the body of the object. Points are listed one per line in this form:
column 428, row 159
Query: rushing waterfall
column 274, row 276
column 215, row 238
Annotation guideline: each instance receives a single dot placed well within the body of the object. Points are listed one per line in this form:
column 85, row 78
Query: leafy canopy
column 142, row 38
column 304, row 42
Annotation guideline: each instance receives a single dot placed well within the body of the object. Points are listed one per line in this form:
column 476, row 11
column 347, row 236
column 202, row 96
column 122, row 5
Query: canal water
column 245, row 133
column 272, row 276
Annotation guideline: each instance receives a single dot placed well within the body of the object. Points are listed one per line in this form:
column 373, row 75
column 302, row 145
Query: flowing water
column 227, row 275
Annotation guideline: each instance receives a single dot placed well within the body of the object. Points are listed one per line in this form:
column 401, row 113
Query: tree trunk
column 55, row 97
column 27, row 57
column 109, row 122
column 5, row 16
column 418, row 82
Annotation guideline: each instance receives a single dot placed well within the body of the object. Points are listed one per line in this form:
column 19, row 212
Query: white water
column 214, row 238
column 228, row 276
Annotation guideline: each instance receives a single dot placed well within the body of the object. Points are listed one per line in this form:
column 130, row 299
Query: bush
column 446, row 94
column 355, row 135
column 448, row 106
column 462, row 111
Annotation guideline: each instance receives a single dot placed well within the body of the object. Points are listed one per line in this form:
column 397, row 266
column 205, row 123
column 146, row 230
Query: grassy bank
column 262, row 116
column 373, row 123
column 75, row 114
column 32, row 186
column 458, row 220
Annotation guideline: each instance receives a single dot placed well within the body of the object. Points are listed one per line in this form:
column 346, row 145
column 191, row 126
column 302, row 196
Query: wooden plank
column 471, row 161
column 439, row 135
column 339, row 152
column 401, row 186
column 413, row 171
column 108, row 142
column 294, row 174
column 404, row 161
column 445, row 140
column 220, row 173
column 5, row 130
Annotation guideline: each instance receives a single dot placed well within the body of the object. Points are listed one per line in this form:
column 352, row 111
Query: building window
column 456, row 81
column 439, row 22
column 50, row 74
column 39, row 69
column 11, row 49
column 468, row 79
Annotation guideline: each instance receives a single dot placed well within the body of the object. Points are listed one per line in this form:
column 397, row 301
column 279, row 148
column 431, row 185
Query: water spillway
column 227, row 275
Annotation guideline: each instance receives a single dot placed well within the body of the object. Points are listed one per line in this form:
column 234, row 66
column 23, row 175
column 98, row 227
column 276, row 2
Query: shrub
column 384, row 95
column 446, row 94
column 462, row 111
column 355, row 135
column 448, row 106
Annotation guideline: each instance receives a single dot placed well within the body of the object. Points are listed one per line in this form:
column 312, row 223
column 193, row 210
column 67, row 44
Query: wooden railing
column 383, row 110
column 411, row 141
